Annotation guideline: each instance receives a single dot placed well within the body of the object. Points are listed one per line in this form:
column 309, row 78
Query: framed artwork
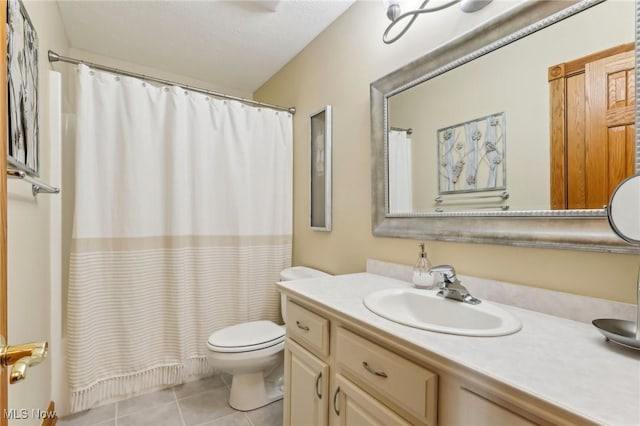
column 22, row 81
column 472, row 156
column 320, row 170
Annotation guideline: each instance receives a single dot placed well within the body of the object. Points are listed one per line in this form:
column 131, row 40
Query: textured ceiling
column 233, row 44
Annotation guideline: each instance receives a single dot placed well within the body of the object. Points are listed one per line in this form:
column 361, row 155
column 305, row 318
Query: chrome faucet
column 451, row 288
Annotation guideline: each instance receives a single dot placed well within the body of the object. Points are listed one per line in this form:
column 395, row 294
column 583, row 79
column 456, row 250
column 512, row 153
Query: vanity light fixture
column 395, row 15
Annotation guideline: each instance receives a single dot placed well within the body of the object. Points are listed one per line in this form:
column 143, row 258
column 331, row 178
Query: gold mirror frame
column 561, row 229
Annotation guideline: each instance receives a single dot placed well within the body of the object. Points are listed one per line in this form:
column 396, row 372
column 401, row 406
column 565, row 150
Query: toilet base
column 255, row 390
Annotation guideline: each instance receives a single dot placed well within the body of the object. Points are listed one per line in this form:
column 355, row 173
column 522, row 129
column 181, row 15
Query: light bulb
column 393, row 9
column 471, row 6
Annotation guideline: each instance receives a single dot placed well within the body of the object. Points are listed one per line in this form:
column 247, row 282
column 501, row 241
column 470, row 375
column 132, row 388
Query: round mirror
column 623, row 210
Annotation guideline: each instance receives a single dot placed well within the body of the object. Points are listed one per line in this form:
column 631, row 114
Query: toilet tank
column 296, row 273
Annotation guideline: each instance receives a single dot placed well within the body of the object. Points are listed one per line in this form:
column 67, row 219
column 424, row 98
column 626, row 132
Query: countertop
column 566, row 363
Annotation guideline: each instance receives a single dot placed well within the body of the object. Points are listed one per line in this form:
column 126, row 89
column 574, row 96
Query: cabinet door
column 306, row 387
column 354, row 407
column 479, row 411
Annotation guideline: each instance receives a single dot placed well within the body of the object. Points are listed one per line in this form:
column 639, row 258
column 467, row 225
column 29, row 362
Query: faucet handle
column 447, row 271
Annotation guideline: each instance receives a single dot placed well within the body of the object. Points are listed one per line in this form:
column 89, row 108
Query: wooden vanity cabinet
column 342, row 373
column 306, row 368
column 306, row 387
column 320, row 356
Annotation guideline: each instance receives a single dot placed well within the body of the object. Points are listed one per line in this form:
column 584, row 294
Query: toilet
column 253, row 353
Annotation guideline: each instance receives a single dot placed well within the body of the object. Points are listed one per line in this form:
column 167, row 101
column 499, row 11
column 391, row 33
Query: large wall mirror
column 515, row 133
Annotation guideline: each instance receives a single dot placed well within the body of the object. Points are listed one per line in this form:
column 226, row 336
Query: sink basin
column 424, row 309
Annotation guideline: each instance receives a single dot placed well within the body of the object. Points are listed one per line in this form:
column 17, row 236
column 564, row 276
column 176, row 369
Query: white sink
column 423, row 309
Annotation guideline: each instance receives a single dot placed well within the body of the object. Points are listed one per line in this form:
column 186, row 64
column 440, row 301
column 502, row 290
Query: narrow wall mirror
column 320, row 170
column 520, row 130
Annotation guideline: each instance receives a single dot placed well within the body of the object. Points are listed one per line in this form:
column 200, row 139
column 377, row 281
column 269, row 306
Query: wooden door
column 3, row 205
column 592, row 145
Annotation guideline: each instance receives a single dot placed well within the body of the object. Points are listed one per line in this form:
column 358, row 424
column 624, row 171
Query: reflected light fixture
column 395, row 15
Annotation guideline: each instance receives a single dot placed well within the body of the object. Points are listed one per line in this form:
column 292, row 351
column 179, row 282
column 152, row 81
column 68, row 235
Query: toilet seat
column 246, row 337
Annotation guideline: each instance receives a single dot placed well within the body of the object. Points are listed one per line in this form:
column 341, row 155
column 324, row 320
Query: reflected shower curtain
column 400, row 172
column 183, row 221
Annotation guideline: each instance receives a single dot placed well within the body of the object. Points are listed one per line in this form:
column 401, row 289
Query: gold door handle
column 21, row 357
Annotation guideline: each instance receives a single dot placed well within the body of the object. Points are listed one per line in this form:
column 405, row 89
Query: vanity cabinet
column 306, row 368
column 341, row 372
column 306, row 387
column 320, row 355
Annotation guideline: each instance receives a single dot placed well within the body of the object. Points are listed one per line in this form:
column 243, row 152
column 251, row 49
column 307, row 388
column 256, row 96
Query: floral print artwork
column 471, row 155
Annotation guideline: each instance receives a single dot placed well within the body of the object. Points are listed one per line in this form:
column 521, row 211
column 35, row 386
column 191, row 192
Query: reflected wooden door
column 609, row 139
column 592, row 132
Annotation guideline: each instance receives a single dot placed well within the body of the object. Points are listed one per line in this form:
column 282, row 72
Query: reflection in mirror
column 400, row 170
column 543, row 123
column 623, row 210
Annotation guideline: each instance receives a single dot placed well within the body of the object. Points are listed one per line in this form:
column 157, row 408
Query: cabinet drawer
column 408, row 385
column 357, row 407
column 308, row 328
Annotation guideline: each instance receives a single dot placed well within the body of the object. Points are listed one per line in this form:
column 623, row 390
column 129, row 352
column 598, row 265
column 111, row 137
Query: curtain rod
column 400, row 129
column 54, row 57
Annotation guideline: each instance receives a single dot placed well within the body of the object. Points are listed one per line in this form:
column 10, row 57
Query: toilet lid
column 248, row 336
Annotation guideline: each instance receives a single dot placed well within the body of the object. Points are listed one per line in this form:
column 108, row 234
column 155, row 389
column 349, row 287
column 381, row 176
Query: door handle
column 21, row 357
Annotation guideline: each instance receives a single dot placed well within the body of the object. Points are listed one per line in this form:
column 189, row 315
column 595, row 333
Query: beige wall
column 28, row 234
column 336, row 68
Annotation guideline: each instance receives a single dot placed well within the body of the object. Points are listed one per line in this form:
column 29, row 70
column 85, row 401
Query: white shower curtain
column 183, row 221
column 400, row 173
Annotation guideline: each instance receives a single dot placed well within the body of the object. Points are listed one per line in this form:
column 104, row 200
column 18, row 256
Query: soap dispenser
column 422, row 278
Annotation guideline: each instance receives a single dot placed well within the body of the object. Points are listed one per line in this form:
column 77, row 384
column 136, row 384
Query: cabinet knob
column 302, row 326
column 365, row 365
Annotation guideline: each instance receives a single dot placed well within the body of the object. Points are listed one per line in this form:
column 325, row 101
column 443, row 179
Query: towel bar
column 37, row 187
column 440, row 199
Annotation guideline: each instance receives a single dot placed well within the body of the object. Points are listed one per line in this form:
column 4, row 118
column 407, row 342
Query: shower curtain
column 183, row 221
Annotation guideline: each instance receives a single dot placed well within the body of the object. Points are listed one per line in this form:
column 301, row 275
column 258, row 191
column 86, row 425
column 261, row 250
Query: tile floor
column 199, row 403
